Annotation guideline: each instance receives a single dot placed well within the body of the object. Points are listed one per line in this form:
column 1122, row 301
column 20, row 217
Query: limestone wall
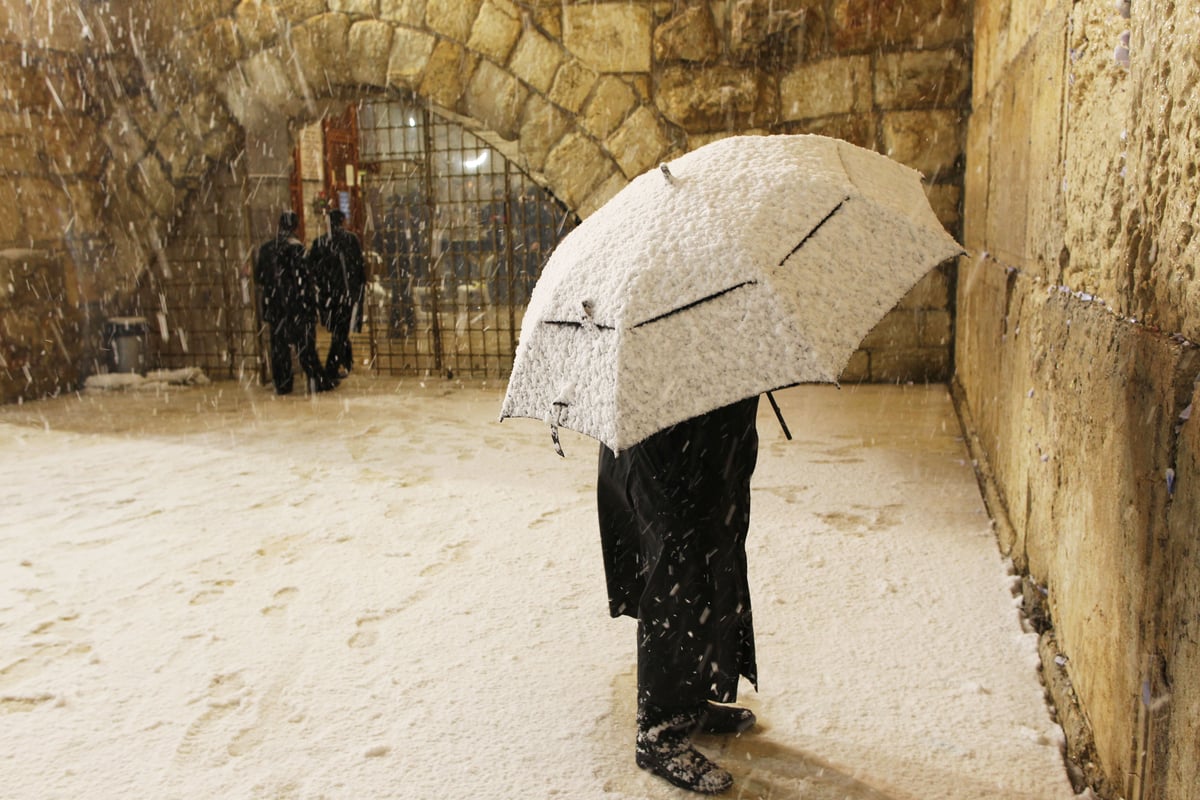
column 1075, row 367
column 140, row 102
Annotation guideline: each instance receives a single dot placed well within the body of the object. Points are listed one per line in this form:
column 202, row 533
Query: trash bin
column 125, row 338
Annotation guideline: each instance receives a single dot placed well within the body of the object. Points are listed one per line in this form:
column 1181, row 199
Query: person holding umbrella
column 674, row 512
column 636, row 336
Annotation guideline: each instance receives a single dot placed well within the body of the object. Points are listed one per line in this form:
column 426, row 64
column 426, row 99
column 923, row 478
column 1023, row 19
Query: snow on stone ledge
column 154, row 379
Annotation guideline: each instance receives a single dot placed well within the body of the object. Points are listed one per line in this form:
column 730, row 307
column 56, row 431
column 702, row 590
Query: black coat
column 340, row 273
column 674, row 512
column 287, row 289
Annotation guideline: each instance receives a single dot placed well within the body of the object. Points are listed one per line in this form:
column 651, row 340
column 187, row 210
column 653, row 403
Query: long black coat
column 338, row 266
column 288, row 298
column 674, row 512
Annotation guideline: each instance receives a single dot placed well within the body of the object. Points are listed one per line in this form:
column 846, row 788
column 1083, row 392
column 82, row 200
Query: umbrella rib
column 816, row 228
column 695, row 303
column 572, row 323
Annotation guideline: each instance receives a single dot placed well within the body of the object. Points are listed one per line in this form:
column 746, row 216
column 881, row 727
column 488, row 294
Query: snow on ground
column 381, row 592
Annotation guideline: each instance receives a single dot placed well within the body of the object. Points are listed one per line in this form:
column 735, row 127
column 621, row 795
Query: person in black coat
column 337, row 263
column 289, row 306
column 674, row 512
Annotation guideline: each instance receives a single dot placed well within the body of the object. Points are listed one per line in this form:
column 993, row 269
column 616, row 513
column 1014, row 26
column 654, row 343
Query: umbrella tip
column 666, row 171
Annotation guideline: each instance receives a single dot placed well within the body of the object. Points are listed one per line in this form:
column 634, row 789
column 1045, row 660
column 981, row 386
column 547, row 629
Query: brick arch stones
column 227, row 81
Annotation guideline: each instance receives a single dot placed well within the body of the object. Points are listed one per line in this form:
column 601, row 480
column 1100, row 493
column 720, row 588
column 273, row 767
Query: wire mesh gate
column 455, row 237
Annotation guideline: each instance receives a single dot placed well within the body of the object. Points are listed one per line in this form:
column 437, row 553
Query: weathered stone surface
column 495, row 97
column 447, row 73
column 609, row 37
column 611, row 102
column 452, row 18
column 300, row 10
column 496, row 29
column 824, row 88
column 754, row 22
column 691, row 35
column 370, row 50
column 411, row 51
column 922, row 79
column 639, row 143
column 406, row 12
column 602, row 194
column 74, row 151
column 536, row 60
column 871, row 24
column 572, row 85
column 1179, row 638
column 321, row 48
column 575, row 167
column 360, row 8
column 543, row 125
column 716, row 98
column 208, row 52
column 928, row 141
column 256, row 24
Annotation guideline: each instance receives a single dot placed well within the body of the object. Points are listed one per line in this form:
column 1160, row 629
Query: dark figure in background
column 337, row 263
column 406, row 246
column 674, row 512
column 289, row 306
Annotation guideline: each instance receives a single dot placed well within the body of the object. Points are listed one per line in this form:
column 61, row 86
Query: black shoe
column 664, row 750
column 719, row 720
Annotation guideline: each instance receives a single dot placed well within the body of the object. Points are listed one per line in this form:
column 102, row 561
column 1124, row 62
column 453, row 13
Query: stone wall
column 153, row 98
column 1075, row 362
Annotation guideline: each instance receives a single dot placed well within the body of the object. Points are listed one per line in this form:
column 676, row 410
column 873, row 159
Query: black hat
column 336, row 216
column 289, row 221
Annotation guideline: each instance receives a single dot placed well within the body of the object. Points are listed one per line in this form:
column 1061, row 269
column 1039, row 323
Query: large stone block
column 256, row 24
column 1176, row 687
column 406, row 12
column 609, row 37
column 827, row 87
column 496, row 29
column 639, row 143
column 718, row 98
column 572, row 85
column 370, row 51
column 860, row 25
column 690, row 35
column 536, row 60
column 543, row 125
column 446, row 75
column 357, row 8
column 411, row 51
column 612, row 100
column 922, row 79
column 930, row 142
column 321, row 48
column 452, row 18
column 495, row 98
column 575, row 167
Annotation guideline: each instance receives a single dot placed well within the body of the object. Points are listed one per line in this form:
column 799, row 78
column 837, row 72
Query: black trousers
column 302, row 336
column 674, row 514
column 341, row 354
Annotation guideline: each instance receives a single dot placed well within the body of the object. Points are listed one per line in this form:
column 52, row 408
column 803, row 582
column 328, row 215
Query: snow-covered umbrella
column 750, row 264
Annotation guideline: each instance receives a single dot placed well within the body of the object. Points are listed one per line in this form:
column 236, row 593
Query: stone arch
column 582, row 132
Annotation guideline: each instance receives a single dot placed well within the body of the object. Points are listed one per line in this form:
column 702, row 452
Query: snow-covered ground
column 211, row 592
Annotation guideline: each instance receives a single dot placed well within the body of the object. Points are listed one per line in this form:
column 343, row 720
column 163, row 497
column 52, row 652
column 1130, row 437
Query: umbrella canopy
column 750, row 264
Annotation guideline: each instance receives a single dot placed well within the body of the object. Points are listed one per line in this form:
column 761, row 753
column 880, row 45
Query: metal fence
column 454, row 236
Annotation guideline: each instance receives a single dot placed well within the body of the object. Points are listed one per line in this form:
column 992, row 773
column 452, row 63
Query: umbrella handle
column 779, row 416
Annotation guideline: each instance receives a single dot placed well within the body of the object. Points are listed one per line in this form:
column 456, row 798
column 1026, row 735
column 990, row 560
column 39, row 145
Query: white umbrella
column 750, row 264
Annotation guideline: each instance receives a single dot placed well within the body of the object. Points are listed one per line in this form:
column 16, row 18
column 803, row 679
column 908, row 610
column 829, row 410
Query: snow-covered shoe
column 664, row 750
column 718, row 719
